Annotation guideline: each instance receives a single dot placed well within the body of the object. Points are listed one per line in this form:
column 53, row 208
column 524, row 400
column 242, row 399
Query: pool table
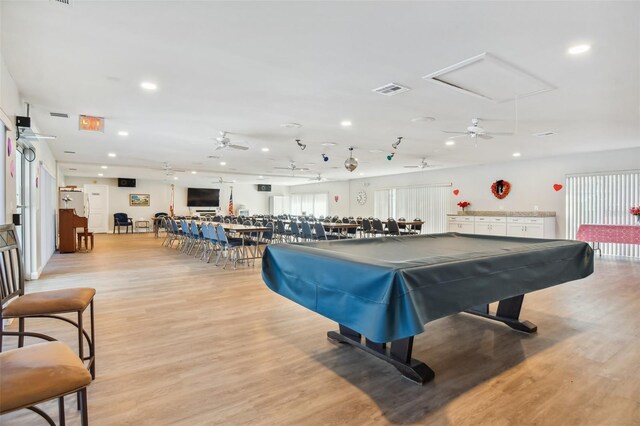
column 382, row 291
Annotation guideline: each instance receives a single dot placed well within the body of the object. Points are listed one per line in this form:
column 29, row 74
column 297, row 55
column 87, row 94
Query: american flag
column 231, row 203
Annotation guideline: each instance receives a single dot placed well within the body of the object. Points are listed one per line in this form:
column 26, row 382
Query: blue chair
column 213, row 239
column 122, row 219
column 306, row 232
column 196, row 237
column 321, row 233
column 187, row 239
column 295, row 231
column 230, row 246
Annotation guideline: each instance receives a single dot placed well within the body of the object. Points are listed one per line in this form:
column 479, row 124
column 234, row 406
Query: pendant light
column 350, row 163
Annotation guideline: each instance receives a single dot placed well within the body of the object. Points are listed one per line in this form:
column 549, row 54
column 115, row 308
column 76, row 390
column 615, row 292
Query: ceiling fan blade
column 500, row 133
column 455, row 133
column 411, row 167
column 485, row 136
column 244, row 148
column 283, row 168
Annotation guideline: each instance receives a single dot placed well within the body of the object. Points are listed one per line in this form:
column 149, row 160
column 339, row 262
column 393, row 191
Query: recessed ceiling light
column 265, row 149
column 193, row 172
column 450, row 143
column 260, row 177
column 123, row 133
column 578, row 49
column 111, row 154
column 103, row 167
column 100, row 174
column 222, row 163
column 376, row 151
column 361, row 174
column 328, row 144
column 422, row 119
column 309, row 164
column 147, row 85
column 291, row 125
column 345, row 123
column 516, row 154
column 175, row 178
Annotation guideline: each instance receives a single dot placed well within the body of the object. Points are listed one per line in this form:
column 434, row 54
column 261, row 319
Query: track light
column 390, row 156
column 301, row 145
column 325, row 158
column 350, row 163
column 396, row 143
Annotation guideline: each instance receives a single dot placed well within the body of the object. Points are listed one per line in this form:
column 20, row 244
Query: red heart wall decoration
column 335, row 197
column 456, row 191
column 557, row 187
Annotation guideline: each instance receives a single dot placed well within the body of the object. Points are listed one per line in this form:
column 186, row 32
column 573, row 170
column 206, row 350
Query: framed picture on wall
column 140, row 200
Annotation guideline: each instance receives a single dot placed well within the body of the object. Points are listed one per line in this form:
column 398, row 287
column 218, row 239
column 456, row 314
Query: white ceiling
column 248, row 67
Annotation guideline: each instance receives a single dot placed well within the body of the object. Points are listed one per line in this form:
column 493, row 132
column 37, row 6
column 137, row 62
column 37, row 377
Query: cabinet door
column 453, row 227
column 483, row 229
column 534, row 230
column 515, row 230
column 497, row 229
column 466, row 228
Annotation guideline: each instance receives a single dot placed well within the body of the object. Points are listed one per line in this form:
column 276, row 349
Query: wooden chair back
column 11, row 268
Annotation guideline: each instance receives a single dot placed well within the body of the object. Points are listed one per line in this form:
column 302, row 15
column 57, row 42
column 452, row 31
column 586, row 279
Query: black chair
column 120, row 220
column 378, row 229
column 392, row 227
column 417, row 229
column 321, row 234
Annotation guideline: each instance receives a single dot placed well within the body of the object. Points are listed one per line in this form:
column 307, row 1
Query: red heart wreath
column 500, row 189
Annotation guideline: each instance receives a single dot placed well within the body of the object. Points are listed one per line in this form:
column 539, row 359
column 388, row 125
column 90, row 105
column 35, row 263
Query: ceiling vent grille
column 59, row 114
column 391, row 89
column 63, row 2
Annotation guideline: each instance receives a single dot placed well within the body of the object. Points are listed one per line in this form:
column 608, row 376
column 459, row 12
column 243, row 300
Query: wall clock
column 361, row 198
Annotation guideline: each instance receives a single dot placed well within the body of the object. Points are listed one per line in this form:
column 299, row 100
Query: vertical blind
column 429, row 203
column 310, row 204
column 603, row 199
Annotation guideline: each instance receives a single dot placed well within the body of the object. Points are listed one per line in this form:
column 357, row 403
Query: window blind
column 604, row 199
column 429, row 203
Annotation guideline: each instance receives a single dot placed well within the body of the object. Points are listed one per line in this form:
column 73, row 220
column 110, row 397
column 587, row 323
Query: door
column 97, row 209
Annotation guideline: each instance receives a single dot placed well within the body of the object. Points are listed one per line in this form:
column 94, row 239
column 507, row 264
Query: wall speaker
column 126, row 183
column 264, row 188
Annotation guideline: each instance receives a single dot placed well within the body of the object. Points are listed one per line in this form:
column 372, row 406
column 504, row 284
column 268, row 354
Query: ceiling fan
column 292, row 166
column 476, row 132
column 221, row 180
column 423, row 164
column 319, row 178
column 224, row 142
column 168, row 170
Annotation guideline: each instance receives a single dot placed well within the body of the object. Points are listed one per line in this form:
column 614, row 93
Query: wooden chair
column 44, row 304
column 39, row 373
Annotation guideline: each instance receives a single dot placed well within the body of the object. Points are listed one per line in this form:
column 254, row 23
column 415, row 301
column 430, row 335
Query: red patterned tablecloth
column 622, row 234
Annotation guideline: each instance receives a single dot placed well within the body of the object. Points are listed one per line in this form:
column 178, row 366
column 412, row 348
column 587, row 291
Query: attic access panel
column 488, row 77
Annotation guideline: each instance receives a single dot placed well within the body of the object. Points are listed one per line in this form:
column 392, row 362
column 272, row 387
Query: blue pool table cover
column 387, row 288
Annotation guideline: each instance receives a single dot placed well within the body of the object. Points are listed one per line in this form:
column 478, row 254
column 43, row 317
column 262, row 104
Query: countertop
column 505, row 213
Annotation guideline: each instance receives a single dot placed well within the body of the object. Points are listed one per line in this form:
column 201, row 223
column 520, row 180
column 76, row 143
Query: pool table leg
column 508, row 312
column 398, row 353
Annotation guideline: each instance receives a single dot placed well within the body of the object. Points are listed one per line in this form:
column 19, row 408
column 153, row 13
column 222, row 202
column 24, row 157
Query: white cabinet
column 531, row 227
column 461, row 224
column 490, row 225
column 510, row 226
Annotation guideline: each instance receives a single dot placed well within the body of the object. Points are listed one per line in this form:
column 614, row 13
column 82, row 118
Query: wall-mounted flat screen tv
column 203, row 197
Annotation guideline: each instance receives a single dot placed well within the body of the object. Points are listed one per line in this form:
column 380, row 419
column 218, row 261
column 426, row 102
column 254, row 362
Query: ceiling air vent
column 391, row 89
column 64, row 2
column 59, row 114
column 544, row 134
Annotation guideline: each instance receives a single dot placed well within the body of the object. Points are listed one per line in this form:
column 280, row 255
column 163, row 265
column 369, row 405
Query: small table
column 142, row 224
column 620, row 234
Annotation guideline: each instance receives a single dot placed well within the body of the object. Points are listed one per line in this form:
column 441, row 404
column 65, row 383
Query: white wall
column 532, row 183
column 160, row 192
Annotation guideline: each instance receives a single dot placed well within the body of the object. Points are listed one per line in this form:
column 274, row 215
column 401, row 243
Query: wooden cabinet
column 510, row 226
column 490, row 225
column 461, row 224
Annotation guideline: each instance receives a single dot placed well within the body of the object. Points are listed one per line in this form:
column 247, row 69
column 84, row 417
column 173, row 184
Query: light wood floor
column 180, row 342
